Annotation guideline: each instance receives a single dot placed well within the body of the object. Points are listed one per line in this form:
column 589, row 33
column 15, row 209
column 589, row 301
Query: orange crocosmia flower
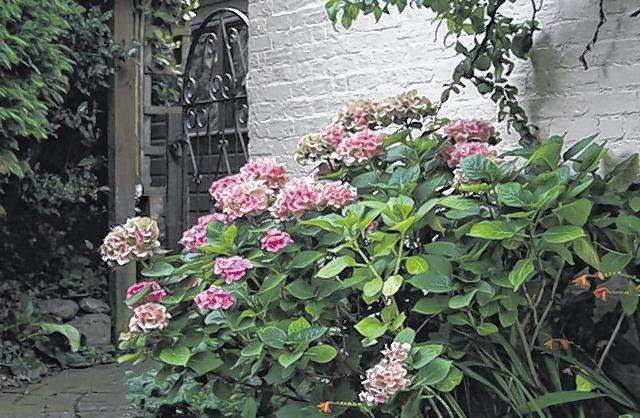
column 601, row 293
column 564, row 343
column 599, row 275
column 324, row 407
column 582, row 281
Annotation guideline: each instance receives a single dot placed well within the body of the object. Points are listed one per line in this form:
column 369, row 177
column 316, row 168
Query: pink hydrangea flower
column 273, row 173
column 303, row 194
column 116, row 248
column 237, row 196
column 389, row 376
column 296, row 197
column 383, row 381
column 196, row 236
column 231, row 269
column 336, row 194
column 275, row 240
column 156, row 293
column 148, row 317
column 464, row 130
column 136, row 239
column 214, row 298
column 335, row 133
column 458, row 152
column 359, row 147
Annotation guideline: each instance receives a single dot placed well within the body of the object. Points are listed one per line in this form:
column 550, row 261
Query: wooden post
column 174, row 199
column 124, row 137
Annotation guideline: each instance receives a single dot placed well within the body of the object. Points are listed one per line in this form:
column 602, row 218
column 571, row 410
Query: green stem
column 400, row 250
column 367, row 261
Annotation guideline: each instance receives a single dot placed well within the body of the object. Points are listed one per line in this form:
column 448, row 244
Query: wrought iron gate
column 214, row 102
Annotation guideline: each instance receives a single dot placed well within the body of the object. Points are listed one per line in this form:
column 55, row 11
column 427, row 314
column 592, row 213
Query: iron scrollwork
column 214, row 96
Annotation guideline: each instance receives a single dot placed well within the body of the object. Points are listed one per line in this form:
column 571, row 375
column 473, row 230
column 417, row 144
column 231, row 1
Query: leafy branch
column 487, row 64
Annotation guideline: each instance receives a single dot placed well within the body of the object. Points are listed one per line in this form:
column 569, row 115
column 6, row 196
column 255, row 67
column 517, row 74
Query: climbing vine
column 488, row 40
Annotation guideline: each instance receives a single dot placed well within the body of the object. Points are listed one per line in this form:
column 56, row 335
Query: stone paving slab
column 94, row 392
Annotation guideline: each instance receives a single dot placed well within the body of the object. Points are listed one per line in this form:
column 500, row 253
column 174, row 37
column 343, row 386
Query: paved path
column 94, row 392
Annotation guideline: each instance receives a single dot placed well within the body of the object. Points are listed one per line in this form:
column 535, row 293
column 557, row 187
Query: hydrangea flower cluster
column 396, row 109
column 136, row 239
column 466, row 130
column 349, row 140
column 405, row 107
column 214, row 298
column 313, row 148
column 238, row 195
column 358, row 148
column 275, row 240
column 303, row 194
column 388, row 376
column 231, row 269
column 273, row 173
column 196, row 236
column 156, row 293
column 148, row 317
column 469, row 137
column 458, row 152
column 248, row 192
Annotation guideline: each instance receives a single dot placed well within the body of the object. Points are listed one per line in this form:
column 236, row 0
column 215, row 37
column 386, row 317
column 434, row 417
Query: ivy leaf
column 322, row 353
column 549, row 153
column 416, row 264
column 624, row 174
column 392, row 285
column 513, row 194
column 614, row 262
column 372, row 287
column 159, row 269
column 522, row 271
column 431, row 305
column 434, row 372
column 486, row 328
column 309, row 335
column 305, row 258
column 578, row 147
column 371, row 327
column 272, row 336
column 492, row 230
column 300, row 289
column 335, row 266
column 298, row 326
column 71, row 333
column 204, row 362
column 175, row 356
column 252, row 350
column 586, row 252
column 562, row 234
column 425, row 354
column 453, row 379
column 461, row 301
column 286, row 359
column 577, row 213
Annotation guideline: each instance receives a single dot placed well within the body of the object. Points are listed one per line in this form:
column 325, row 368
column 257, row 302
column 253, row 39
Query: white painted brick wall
column 302, row 71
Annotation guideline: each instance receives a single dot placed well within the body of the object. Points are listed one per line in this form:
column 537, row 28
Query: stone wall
column 302, row 71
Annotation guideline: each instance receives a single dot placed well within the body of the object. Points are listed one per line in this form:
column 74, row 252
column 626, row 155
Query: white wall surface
column 302, row 71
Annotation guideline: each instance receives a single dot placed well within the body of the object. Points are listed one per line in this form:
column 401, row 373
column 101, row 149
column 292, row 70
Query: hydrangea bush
column 416, row 273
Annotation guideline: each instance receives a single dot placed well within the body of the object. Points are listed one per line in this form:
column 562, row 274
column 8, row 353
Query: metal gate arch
column 214, row 104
